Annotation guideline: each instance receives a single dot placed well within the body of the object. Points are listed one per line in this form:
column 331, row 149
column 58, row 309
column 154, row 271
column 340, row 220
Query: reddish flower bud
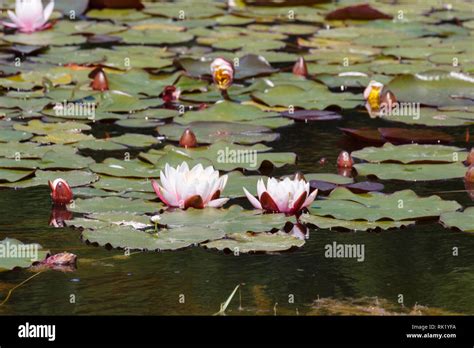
column 61, row 193
column 345, row 160
column 388, row 99
column 100, row 81
column 470, row 158
column 170, row 94
column 300, row 67
column 188, row 139
column 469, row 177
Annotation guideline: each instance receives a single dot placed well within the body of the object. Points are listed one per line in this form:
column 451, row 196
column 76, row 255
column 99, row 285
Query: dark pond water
column 416, row 262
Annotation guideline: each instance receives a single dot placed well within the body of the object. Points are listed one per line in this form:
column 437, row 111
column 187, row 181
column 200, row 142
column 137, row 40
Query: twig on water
column 17, row 286
column 227, row 302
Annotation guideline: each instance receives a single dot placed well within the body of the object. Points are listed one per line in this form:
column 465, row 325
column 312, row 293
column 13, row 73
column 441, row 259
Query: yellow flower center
column 374, row 98
column 222, row 78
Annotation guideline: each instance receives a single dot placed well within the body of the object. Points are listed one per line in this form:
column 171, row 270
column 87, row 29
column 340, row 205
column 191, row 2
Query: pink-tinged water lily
column 285, row 196
column 222, row 73
column 61, row 192
column 198, row 187
column 30, row 16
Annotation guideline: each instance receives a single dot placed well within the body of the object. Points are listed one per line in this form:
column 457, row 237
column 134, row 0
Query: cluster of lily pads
column 150, row 72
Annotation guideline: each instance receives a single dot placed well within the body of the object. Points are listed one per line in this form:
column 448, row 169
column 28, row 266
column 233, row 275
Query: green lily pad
column 13, row 175
column 131, row 169
column 110, row 183
column 435, row 88
column 226, row 112
column 211, row 132
column 154, row 37
column 437, row 118
column 328, row 177
column 353, row 225
column 16, row 254
column 41, row 128
column 224, row 156
column 135, row 140
column 290, row 95
column 256, row 242
column 237, row 181
column 374, row 206
column 130, row 238
column 100, row 145
column 7, row 135
column 113, row 204
column 411, row 153
column 227, row 220
column 463, row 221
column 412, row 172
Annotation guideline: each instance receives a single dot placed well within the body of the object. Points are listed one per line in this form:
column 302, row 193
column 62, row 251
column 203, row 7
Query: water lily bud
column 345, row 160
column 372, row 94
column 188, row 139
column 61, row 193
column 469, row 177
column 222, row 73
column 300, row 67
column 470, row 158
column 388, row 99
column 347, row 172
column 100, row 81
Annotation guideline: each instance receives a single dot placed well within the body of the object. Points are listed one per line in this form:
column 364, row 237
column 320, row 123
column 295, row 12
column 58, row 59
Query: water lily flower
column 198, row 187
column 170, row 94
column 61, row 192
column 188, row 139
column 344, row 160
column 300, row 67
column 372, row 94
column 30, row 16
column 222, row 73
column 282, row 196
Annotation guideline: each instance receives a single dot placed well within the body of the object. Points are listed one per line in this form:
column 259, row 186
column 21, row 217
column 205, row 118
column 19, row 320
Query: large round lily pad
column 411, row 153
column 373, row 206
column 256, row 242
column 324, row 222
column 411, row 172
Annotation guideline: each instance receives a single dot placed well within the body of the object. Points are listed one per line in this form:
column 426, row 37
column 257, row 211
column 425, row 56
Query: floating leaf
column 411, row 172
column 256, row 242
column 373, row 206
column 211, row 132
column 18, row 255
column 411, row 153
column 113, row 204
column 463, row 221
column 353, row 225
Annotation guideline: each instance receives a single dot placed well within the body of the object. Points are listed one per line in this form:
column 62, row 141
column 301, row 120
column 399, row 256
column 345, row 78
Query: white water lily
column 198, row 187
column 30, row 16
column 285, row 196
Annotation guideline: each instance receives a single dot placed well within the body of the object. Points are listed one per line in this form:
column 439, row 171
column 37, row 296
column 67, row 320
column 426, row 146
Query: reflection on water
column 415, row 262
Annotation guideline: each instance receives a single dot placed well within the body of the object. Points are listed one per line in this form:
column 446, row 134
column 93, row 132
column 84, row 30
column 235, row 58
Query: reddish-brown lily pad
column 419, row 136
column 358, row 12
column 365, row 134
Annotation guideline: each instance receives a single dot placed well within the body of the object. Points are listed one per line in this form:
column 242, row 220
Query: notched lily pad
column 463, row 221
column 256, row 243
column 15, row 254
